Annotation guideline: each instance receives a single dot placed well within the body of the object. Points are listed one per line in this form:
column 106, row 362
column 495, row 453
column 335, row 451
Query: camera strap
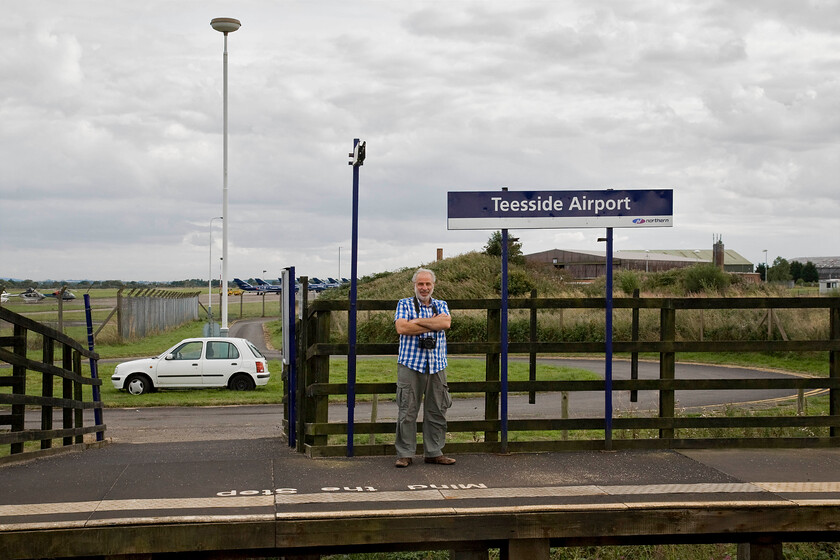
column 417, row 307
column 434, row 311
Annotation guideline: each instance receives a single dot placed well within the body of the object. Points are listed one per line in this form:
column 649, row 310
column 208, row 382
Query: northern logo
column 639, row 221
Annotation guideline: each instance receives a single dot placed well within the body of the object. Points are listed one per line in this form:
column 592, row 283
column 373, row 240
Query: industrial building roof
column 730, row 257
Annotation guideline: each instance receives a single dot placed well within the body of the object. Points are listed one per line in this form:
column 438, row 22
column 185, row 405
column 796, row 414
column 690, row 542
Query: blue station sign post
column 503, row 210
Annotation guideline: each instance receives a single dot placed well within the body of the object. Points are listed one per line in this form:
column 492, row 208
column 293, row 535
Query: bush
column 663, row 281
column 519, row 283
column 628, row 281
column 379, row 327
column 467, row 328
column 705, row 278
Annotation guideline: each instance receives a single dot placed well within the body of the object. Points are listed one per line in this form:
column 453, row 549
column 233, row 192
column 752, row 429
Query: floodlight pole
column 210, row 274
column 225, row 26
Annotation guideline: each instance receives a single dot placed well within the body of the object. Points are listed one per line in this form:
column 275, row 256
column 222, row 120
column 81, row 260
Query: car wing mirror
column 170, row 357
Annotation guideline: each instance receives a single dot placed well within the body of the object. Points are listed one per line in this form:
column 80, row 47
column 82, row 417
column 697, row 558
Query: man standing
column 421, row 322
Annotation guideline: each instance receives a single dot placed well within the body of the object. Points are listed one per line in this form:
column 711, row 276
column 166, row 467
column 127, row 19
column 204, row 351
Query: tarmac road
column 143, row 425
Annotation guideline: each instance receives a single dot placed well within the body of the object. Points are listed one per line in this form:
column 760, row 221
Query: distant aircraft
column 316, row 285
column 261, row 287
column 4, row 296
column 244, row 286
column 31, row 295
column 66, row 296
column 264, row 286
column 297, row 284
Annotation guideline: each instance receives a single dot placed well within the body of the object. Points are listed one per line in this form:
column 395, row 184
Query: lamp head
column 225, row 25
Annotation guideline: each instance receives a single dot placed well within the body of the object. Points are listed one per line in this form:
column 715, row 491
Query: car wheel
column 242, row 382
column 138, row 384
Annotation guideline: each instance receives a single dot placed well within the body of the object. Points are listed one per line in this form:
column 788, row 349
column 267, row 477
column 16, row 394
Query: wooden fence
column 17, row 398
column 666, row 428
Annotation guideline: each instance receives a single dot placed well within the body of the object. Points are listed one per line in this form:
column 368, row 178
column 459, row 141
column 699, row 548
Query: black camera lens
column 426, row 343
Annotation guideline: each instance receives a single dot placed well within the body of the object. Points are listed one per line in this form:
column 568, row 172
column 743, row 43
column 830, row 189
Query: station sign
column 560, row 209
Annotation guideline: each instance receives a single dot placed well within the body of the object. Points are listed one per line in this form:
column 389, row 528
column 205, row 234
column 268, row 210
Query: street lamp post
column 225, row 26
column 210, row 274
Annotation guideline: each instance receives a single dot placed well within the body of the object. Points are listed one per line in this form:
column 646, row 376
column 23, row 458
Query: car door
column 222, row 359
column 182, row 367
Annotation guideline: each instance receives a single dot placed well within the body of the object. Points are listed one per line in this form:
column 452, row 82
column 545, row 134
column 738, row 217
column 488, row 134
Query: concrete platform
column 258, row 495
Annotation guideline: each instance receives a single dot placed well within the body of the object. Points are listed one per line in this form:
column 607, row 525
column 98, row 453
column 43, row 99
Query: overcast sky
column 111, row 134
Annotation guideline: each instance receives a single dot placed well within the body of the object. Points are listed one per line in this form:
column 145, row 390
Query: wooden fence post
column 317, row 371
column 60, row 299
column 120, row 333
column 67, row 392
column 525, row 549
column 18, row 386
column 48, row 357
column 564, row 412
column 304, row 331
column 760, row 551
column 667, row 365
column 634, row 337
column 769, row 324
column 78, row 412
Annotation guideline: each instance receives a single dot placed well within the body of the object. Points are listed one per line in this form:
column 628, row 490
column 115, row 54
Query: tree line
column 784, row 271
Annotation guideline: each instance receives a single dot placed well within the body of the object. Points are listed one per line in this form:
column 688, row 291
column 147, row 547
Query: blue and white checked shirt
column 411, row 355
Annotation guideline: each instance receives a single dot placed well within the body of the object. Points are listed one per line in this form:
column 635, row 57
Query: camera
column 426, row 343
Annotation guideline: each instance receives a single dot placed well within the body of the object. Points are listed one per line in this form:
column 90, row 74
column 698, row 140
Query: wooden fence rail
column 316, row 435
column 18, row 399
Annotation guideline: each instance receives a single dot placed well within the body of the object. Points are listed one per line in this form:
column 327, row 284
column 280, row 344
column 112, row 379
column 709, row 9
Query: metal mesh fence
column 149, row 312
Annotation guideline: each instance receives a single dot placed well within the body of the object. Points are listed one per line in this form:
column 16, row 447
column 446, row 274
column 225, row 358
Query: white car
column 234, row 363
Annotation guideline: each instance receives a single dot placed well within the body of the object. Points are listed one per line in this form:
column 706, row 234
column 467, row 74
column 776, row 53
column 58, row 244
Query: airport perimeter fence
column 142, row 312
column 22, row 396
column 665, row 427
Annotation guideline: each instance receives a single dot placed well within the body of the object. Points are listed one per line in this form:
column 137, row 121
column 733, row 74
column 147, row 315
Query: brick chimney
column 717, row 253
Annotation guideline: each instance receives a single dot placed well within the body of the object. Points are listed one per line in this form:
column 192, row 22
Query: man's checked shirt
column 410, row 354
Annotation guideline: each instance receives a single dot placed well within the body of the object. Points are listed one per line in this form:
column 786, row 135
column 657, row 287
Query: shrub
column 705, row 278
column 467, row 328
column 519, row 283
column 628, row 281
column 663, row 281
column 378, row 327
